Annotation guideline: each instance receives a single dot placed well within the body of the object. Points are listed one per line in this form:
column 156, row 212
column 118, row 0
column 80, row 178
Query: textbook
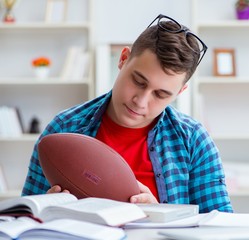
column 26, row 228
column 165, row 212
column 47, row 207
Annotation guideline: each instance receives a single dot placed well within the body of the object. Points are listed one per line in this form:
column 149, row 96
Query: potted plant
column 242, row 9
column 41, row 66
column 8, row 5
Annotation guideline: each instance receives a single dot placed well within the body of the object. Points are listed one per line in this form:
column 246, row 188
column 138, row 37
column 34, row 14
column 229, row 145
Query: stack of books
column 62, row 215
column 10, row 123
column 76, row 65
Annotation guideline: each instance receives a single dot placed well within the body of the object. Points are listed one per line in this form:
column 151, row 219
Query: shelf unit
column 221, row 103
column 29, row 37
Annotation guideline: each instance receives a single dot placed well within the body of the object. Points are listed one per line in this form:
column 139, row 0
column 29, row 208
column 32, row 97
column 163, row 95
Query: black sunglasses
column 178, row 28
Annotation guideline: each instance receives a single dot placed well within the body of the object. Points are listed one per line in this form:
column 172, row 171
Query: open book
column 206, row 233
column 211, row 219
column 49, row 207
column 26, row 228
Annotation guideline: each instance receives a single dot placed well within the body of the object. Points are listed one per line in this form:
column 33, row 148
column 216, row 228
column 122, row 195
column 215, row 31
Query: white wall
column 121, row 21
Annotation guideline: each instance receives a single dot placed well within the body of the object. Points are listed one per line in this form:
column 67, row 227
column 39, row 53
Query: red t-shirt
column 131, row 144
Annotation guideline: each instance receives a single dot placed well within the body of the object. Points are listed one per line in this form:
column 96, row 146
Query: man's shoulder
column 79, row 117
column 83, row 110
column 178, row 118
column 184, row 126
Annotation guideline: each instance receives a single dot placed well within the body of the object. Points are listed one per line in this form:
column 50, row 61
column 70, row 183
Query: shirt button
column 152, row 149
column 158, row 175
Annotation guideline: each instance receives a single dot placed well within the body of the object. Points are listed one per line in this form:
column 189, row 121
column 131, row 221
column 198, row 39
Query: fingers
column 143, row 198
column 57, row 189
column 65, row 191
column 145, row 195
column 143, row 188
column 54, row 189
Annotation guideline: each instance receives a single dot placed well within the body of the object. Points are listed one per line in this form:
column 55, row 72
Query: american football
column 86, row 167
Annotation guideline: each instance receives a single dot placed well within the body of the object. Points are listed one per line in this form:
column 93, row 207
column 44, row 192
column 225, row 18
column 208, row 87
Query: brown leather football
column 86, row 167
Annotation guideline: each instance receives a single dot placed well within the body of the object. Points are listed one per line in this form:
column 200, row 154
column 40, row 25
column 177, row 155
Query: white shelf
column 230, row 137
column 22, row 138
column 43, row 25
column 242, row 193
column 34, row 81
column 223, row 80
column 224, row 24
column 10, row 194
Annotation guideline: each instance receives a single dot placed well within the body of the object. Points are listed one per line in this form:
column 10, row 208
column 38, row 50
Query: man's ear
column 183, row 88
column 124, row 56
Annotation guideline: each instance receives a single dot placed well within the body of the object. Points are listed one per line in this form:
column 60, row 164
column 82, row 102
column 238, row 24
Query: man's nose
column 141, row 99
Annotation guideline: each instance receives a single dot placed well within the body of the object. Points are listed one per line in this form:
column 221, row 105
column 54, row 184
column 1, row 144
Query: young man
column 172, row 155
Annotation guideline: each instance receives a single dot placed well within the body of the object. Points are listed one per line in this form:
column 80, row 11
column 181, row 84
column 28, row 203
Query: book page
column 182, row 223
column 39, row 202
column 15, row 227
column 97, row 210
column 224, row 219
column 169, row 212
column 206, row 233
column 35, row 202
column 66, row 228
column 24, row 227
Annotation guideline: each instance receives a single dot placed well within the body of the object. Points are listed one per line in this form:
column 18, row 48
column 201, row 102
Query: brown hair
column 172, row 49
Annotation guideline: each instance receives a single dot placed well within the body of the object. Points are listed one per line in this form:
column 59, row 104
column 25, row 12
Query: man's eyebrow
column 144, row 78
column 141, row 75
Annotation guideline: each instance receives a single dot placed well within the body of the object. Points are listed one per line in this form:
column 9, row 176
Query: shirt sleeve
column 35, row 182
column 207, row 186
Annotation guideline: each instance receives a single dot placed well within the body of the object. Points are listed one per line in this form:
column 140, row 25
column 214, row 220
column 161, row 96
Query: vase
column 8, row 16
column 9, row 5
column 243, row 14
column 42, row 72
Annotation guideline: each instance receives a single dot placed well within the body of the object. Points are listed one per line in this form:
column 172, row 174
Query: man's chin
column 131, row 123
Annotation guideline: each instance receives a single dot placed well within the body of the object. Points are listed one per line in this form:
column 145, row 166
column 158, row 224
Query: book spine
column 10, row 125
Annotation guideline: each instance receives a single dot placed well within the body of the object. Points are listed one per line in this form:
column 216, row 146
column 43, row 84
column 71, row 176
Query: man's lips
column 132, row 112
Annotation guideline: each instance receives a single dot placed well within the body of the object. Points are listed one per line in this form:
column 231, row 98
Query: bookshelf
column 221, row 102
column 107, row 57
column 30, row 36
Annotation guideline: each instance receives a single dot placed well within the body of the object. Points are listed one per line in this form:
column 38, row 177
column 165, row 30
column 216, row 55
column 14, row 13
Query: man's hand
column 145, row 195
column 57, row 189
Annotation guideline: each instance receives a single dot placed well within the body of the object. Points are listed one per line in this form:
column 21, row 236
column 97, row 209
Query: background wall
column 122, row 21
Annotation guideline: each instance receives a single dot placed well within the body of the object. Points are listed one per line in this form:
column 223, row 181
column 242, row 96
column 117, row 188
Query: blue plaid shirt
column 185, row 161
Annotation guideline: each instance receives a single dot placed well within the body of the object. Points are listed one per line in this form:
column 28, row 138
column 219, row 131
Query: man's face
column 142, row 90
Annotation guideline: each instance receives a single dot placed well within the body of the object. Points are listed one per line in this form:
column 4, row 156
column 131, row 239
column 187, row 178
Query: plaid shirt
column 185, row 161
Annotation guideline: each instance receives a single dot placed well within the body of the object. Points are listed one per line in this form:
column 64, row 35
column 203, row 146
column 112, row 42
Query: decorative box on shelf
column 242, row 9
